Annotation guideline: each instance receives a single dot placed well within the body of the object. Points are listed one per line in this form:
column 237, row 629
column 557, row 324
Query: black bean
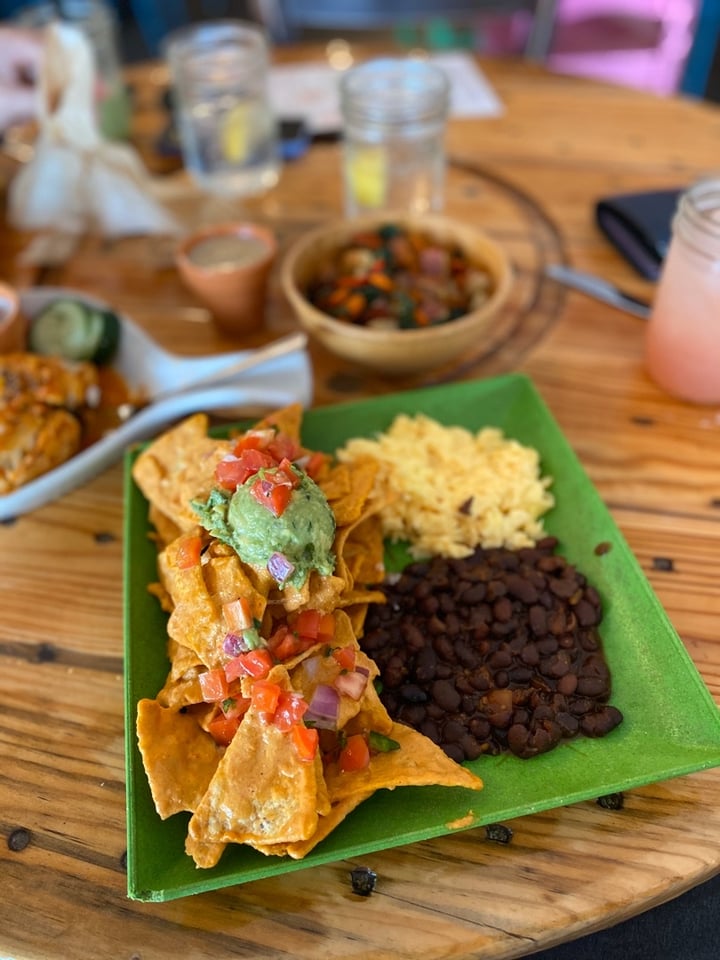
column 567, row 684
column 521, row 588
column 431, row 730
column 454, row 751
column 445, row 694
column 412, row 693
column 412, row 714
column 502, row 609
column 492, row 652
column 425, row 665
column 473, row 594
column 595, row 687
column 453, row 730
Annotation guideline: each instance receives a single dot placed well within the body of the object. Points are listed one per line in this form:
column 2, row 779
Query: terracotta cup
column 12, row 323
column 227, row 267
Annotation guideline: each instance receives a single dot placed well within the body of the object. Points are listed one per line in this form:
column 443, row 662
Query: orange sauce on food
column 114, row 394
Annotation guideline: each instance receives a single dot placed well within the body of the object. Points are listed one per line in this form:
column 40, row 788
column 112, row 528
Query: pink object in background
column 637, row 43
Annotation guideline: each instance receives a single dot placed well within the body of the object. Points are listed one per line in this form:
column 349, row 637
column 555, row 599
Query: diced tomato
column 273, row 490
column 316, row 625
column 255, row 663
column 305, row 740
column 284, row 644
column 284, row 447
column 222, row 729
column 355, row 755
column 315, row 464
column 290, row 710
column 188, row 553
column 232, row 472
column 287, row 468
column 345, row 656
column 265, row 696
column 214, row 685
column 235, row 706
column 253, row 440
column 238, row 614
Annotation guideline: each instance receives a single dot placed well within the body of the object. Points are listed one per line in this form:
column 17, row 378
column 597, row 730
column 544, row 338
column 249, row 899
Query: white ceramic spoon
column 283, row 376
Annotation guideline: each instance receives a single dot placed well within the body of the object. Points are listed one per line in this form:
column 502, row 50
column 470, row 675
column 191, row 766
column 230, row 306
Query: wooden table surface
column 531, row 177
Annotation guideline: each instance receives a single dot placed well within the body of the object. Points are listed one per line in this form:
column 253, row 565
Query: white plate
column 151, row 370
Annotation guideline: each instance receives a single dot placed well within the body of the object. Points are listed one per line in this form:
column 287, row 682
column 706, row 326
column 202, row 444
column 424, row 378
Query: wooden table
column 531, row 176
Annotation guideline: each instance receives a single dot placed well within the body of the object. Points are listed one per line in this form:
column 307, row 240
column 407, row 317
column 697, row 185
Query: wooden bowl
column 403, row 351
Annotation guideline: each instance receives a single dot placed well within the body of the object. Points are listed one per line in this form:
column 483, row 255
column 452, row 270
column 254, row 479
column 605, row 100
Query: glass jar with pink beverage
column 683, row 334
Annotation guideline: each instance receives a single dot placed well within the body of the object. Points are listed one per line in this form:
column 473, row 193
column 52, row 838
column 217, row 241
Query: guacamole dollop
column 303, row 533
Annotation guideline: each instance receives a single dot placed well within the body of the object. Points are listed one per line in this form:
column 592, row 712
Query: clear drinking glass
column 683, row 334
column 226, row 126
column 394, row 114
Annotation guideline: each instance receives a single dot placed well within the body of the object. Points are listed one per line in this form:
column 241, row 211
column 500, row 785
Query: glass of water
column 226, row 126
column 394, row 114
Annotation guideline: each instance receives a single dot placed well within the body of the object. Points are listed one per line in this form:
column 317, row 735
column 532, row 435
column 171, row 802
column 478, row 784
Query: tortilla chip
column 180, row 692
column 261, row 791
column 286, row 420
column 336, row 481
column 350, row 505
column 179, row 467
column 418, row 762
column 179, row 758
column 198, row 593
column 363, row 550
column 326, row 824
column 205, row 855
column 166, row 530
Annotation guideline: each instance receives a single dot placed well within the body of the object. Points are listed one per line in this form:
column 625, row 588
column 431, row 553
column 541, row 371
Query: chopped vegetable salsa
column 393, row 278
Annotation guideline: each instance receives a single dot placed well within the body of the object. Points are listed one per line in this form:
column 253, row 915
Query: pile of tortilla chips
column 256, row 788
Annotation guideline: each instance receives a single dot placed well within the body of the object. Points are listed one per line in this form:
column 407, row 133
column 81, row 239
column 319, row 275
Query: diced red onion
column 352, row 683
column 323, row 707
column 280, row 567
column 363, row 670
column 234, row 644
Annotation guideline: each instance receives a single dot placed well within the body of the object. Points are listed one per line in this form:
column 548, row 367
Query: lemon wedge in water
column 235, row 134
column 367, row 173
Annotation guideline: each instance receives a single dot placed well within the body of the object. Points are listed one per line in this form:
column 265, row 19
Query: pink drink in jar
column 683, row 334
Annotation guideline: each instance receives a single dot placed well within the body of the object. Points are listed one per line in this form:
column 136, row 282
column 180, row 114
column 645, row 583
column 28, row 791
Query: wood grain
column 530, row 176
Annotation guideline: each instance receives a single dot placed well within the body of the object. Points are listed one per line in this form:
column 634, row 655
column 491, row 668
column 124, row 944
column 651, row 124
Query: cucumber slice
column 75, row 331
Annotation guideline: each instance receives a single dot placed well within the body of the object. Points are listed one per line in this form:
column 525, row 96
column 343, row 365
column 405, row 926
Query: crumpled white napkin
column 77, row 181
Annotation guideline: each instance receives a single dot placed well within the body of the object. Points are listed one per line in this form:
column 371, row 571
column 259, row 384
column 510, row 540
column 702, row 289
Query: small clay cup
column 227, row 267
column 12, row 322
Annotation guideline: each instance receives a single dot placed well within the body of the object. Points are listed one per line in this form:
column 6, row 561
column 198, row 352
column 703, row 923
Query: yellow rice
column 449, row 490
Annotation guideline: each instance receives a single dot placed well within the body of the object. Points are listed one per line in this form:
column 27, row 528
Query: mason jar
column 394, row 113
column 683, row 333
column 227, row 128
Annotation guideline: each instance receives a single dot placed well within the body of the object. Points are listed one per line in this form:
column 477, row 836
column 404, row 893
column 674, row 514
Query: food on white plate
column 39, row 426
column 61, row 394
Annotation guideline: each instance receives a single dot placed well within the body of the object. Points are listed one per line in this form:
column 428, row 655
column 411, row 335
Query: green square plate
column 671, row 725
